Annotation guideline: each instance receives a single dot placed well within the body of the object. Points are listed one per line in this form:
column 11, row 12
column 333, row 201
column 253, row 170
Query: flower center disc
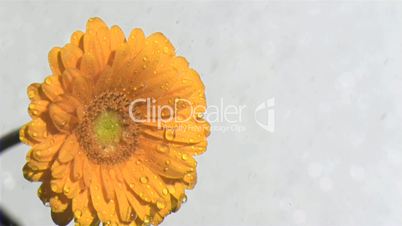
column 107, row 128
column 106, row 132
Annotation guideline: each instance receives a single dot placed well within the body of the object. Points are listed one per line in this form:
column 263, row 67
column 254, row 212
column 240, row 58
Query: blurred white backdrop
column 334, row 69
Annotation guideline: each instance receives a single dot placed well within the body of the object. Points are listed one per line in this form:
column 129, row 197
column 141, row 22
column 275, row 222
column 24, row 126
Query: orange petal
column 37, row 129
column 62, row 218
column 59, row 203
column 94, row 24
column 55, row 62
column 69, row 149
column 82, row 89
column 88, row 172
column 24, row 137
column 83, row 210
column 190, row 179
column 78, row 166
column 34, row 92
column 123, row 207
column 164, row 159
column 97, row 41
column 175, row 79
column 105, row 81
column 46, row 150
column 76, row 39
column 37, row 165
column 61, row 119
column 121, row 68
column 136, row 40
column 60, row 173
column 32, row 175
column 70, row 55
column 89, row 66
column 186, row 132
column 103, row 39
column 195, row 149
column 145, row 56
column 44, row 192
column 137, row 180
column 157, row 185
column 37, row 108
column 116, row 37
column 164, row 165
column 107, row 183
column 157, row 219
column 68, row 103
column 71, row 189
column 67, row 79
column 105, row 210
column 58, row 170
column 141, row 209
column 52, row 87
column 177, row 192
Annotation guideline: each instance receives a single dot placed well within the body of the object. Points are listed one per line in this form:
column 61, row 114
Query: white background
column 334, row 70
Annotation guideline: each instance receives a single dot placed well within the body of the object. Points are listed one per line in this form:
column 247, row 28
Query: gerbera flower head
column 100, row 153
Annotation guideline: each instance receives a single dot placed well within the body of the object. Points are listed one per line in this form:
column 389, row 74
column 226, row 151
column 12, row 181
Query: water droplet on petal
column 48, row 81
column 31, row 94
column 165, row 191
column 170, row 134
column 144, row 179
column 163, row 148
column 147, row 220
column 199, row 115
column 184, row 200
column 160, row 204
column 54, row 187
column 77, row 214
column 189, row 178
column 40, row 191
column 184, row 157
column 66, row 189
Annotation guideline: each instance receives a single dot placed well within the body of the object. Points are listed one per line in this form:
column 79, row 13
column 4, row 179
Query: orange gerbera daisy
column 100, row 157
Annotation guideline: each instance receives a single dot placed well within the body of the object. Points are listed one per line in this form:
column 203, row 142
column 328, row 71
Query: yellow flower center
column 108, row 128
column 106, row 132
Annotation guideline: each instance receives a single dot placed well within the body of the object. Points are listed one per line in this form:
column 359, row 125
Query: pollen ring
column 106, row 133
